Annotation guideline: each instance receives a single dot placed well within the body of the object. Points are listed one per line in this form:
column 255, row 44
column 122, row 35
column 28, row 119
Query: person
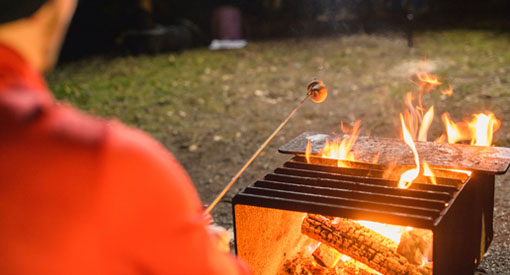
column 82, row 195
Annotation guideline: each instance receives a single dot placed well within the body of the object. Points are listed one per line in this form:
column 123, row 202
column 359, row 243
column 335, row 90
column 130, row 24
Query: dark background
column 98, row 26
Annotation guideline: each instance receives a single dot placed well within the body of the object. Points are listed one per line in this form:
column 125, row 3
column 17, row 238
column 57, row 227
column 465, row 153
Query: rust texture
column 361, row 244
column 491, row 160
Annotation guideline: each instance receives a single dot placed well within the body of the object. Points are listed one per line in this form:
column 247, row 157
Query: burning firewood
column 326, row 256
column 360, row 243
column 304, row 264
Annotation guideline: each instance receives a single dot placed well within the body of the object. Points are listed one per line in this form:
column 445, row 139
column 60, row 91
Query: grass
column 213, row 109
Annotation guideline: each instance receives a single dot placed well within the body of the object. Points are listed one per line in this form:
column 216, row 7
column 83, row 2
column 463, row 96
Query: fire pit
column 315, row 216
column 346, row 204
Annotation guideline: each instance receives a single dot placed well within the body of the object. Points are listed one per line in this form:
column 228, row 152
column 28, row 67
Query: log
column 490, row 160
column 303, row 264
column 359, row 243
column 326, row 256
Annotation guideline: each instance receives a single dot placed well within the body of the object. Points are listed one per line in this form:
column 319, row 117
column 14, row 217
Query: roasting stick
column 317, row 92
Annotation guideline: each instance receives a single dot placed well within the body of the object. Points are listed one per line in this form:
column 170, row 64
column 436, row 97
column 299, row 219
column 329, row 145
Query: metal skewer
column 318, row 92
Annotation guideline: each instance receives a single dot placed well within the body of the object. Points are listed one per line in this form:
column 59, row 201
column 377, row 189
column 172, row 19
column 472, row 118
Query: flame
column 482, row 128
column 407, row 178
column 340, row 149
column 416, row 121
column 308, row 151
column 392, row 232
column 411, row 115
column 396, row 233
column 428, row 79
column 440, row 139
column 448, row 92
column 427, row 172
column 424, row 261
column 455, row 132
column 467, row 172
column 425, row 124
column 479, row 130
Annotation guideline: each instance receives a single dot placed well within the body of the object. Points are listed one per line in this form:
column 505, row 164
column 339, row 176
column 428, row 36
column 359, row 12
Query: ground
column 213, row 109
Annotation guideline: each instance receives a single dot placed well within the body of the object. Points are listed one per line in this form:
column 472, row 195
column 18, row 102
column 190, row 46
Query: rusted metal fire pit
column 312, row 217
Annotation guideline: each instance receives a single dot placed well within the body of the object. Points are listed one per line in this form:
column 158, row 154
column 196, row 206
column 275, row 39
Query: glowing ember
column 345, row 258
column 343, row 243
column 407, row 178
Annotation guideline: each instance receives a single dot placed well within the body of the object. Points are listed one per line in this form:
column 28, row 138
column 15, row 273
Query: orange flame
column 460, row 171
column 427, row 172
column 308, row 151
column 340, row 149
column 440, row 139
column 392, row 232
column 479, row 130
column 455, row 132
column 428, row 79
column 482, row 128
column 416, row 121
column 412, row 115
column 407, row 178
column 425, row 124
column 448, row 92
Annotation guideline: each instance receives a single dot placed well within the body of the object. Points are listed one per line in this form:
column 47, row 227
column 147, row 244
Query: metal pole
column 229, row 185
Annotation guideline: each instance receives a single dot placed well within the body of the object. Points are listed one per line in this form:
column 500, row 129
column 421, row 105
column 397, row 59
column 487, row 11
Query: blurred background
column 149, row 26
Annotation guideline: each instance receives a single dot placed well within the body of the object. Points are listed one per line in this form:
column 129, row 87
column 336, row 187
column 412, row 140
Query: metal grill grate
column 358, row 193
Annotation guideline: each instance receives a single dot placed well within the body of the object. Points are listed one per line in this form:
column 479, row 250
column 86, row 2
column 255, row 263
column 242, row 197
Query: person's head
column 36, row 28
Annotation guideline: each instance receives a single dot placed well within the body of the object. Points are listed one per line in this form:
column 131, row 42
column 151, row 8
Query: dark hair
column 11, row 10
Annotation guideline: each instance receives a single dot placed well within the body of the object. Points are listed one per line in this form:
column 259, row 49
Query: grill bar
column 359, row 203
column 384, row 186
column 353, row 194
column 359, row 193
column 299, row 163
column 357, row 213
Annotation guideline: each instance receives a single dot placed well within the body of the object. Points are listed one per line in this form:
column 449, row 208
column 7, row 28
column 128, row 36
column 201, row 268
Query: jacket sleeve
column 152, row 216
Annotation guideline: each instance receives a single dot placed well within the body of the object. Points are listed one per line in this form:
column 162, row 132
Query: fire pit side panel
column 485, row 201
column 457, row 237
column 266, row 237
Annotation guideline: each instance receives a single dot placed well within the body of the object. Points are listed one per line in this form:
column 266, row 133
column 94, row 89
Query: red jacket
column 79, row 195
